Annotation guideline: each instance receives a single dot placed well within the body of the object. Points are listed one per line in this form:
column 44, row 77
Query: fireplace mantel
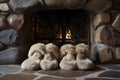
column 90, row 5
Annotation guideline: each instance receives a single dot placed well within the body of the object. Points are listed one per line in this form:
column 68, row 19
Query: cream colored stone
column 98, row 34
column 15, row 21
column 116, row 23
column 4, row 7
column 106, row 34
column 101, row 19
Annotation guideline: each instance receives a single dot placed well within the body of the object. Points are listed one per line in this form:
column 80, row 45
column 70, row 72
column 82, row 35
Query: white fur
column 67, row 48
column 49, row 62
column 84, row 63
column 53, row 49
column 31, row 64
column 38, row 47
column 68, row 62
column 81, row 47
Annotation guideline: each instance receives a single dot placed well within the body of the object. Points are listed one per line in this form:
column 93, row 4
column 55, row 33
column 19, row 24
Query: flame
column 68, row 35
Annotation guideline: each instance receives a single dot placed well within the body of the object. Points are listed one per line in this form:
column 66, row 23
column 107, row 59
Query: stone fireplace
column 26, row 22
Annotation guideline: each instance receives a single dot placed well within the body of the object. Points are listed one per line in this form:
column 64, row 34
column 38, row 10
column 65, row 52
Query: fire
column 68, row 34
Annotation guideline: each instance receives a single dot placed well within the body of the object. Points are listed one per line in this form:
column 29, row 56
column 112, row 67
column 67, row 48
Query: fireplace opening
column 61, row 27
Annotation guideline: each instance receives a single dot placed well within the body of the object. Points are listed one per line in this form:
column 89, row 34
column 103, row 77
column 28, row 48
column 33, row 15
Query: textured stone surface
column 111, row 74
column 105, row 54
column 10, row 56
column 4, row 7
column 9, row 37
column 117, row 53
column 27, row 71
column 18, row 5
column 99, row 50
column 99, row 79
column 107, row 35
column 70, row 73
column 99, row 34
column 67, row 4
column 3, row 1
column 111, row 66
column 53, row 78
column 98, row 5
column 2, row 46
column 18, row 77
column 15, row 21
column 92, row 5
column 116, row 23
column 7, row 69
column 74, row 4
column 21, row 5
column 13, row 72
column 3, row 22
column 101, row 19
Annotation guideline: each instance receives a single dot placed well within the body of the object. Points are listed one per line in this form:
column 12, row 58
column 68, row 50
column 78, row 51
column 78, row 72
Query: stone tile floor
column 101, row 72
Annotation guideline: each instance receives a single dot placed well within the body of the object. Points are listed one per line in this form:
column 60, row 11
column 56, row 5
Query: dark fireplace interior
column 61, row 27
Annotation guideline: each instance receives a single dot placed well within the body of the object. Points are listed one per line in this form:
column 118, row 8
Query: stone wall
column 106, row 42
column 12, row 50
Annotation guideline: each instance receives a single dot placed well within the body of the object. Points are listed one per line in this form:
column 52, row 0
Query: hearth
column 61, row 26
